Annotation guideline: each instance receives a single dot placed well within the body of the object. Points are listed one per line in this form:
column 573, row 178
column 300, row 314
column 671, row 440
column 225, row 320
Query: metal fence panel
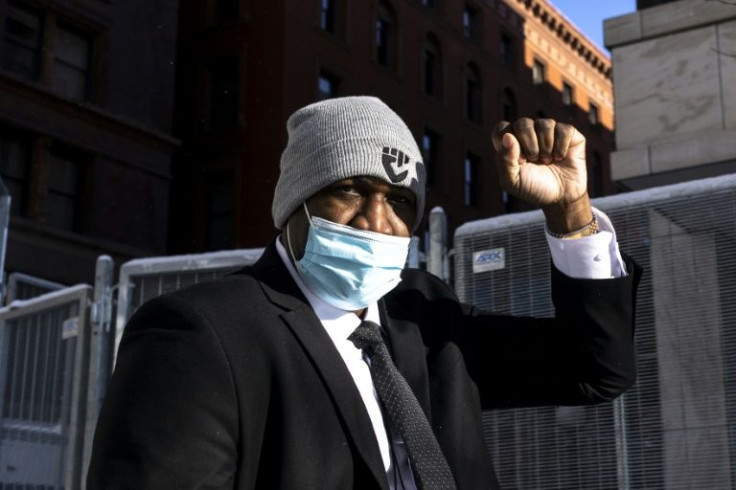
column 676, row 428
column 25, row 286
column 145, row 279
column 43, row 385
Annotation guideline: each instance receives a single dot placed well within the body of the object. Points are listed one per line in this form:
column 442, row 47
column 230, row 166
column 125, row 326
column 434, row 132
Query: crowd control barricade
column 144, row 279
column 44, row 366
column 25, row 286
column 676, row 428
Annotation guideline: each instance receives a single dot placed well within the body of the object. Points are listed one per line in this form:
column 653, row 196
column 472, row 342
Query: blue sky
column 588, row 15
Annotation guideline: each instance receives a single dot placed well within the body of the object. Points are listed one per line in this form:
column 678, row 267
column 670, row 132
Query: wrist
column 565, row 218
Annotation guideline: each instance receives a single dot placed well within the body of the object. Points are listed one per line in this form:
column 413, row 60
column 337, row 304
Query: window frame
column 50, row 23
column 471, row 166
column 539, row 72
column 568, row 94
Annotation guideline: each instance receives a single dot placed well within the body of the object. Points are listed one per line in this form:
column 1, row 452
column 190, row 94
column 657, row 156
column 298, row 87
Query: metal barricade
column 676, row 428
column 25, row 286
column 44, row 363
column 144, row 279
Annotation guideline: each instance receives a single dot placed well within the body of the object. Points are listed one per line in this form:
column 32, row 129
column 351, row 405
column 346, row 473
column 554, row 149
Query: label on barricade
column 489, row 260
column 70, row 328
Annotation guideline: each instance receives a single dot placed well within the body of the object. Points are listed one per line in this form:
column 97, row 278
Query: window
column 470, row 23
column 506, row 49
column 538, row 72
column 220, row 211
column 27, row 39
column 595, row 172
column 593, row 114
column 71, row 63
column 64, row 192
column 224, row 83
column 430, row 154
column 429, row 3
column 23, row 42
column 227, row 11
column 14, row 167
column 470, row 194
column 473, row 98
column 508, row 103
column 327, row 15
column 432, row 68
column 386, row 36
column 568, row 94
column 327, row 84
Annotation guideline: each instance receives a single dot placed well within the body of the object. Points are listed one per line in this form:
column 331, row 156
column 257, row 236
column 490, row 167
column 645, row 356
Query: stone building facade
column 86, row 98
column 450, row 68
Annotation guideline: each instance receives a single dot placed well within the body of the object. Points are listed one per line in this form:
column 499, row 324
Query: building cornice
column 563, row 28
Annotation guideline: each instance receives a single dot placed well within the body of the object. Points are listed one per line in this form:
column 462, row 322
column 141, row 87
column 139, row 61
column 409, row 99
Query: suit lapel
column 408, row 353
column 306, row 327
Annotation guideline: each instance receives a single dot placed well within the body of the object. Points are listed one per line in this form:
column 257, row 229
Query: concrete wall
column 674, row 68
column 691, row 360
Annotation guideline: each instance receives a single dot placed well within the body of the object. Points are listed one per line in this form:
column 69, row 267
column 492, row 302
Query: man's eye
column 347, row 189
column 399, row 199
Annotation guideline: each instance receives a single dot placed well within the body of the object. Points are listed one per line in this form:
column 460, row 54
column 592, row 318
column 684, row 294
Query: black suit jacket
column 236, row 384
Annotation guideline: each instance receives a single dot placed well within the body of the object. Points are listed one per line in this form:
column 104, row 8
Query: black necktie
column 430, row 468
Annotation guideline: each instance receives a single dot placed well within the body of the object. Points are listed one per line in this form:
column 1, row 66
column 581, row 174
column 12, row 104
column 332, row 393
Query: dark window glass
column 220, row 212
column 568, row 95
column 595, row 174
column 71, row 64
column 473, row 102
column 327, row 85
column 538, row 72
column 430, row 154
column 224, row 83
column 386, row 36
column 429, row 3
column 14, row 166
column 327, row 15
column 593, row 114
column 509, row 105
column 23, row 41
column 382, row 40
column 470, row 194
column 64, row 192
column 507, row 51
column 227, row 11
column 470, row 22
column 432, row 68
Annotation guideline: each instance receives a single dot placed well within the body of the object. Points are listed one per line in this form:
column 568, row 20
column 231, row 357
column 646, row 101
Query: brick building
column 450, row 68
column 85, row 131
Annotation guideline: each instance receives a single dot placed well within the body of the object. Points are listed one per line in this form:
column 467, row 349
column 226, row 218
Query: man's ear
column 294, row 234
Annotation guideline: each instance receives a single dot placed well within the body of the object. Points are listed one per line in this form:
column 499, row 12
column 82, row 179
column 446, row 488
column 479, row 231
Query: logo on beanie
column 397, row 165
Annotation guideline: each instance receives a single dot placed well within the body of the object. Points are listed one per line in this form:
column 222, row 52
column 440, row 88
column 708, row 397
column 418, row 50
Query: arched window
column 508, row 102
column 432, row 67
column 386, row 36
column 473, row 94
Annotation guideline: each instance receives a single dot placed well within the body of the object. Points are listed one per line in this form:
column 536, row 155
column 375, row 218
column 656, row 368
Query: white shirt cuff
column 592, row 257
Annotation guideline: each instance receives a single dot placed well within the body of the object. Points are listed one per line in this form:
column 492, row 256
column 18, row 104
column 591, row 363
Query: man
column 279, row 376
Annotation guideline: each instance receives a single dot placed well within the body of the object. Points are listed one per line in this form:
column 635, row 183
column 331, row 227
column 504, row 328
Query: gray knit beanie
column 345, row 137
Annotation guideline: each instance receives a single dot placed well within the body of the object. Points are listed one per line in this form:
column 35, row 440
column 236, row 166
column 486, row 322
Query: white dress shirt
column 593, row 257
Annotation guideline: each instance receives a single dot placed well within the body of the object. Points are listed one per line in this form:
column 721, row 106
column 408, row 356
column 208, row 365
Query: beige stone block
column 667, row 87
column 727, row 57
column 683, row 15
column 698, row 149
column 623, row 29
column 630, row 163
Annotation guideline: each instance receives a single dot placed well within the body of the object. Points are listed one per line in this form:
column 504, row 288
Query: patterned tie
column 430, row 468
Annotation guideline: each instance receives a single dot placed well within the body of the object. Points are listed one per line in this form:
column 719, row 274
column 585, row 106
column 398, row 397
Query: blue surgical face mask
column 350, row 268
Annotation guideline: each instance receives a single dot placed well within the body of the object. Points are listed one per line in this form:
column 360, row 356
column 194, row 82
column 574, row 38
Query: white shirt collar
column 338, row 323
